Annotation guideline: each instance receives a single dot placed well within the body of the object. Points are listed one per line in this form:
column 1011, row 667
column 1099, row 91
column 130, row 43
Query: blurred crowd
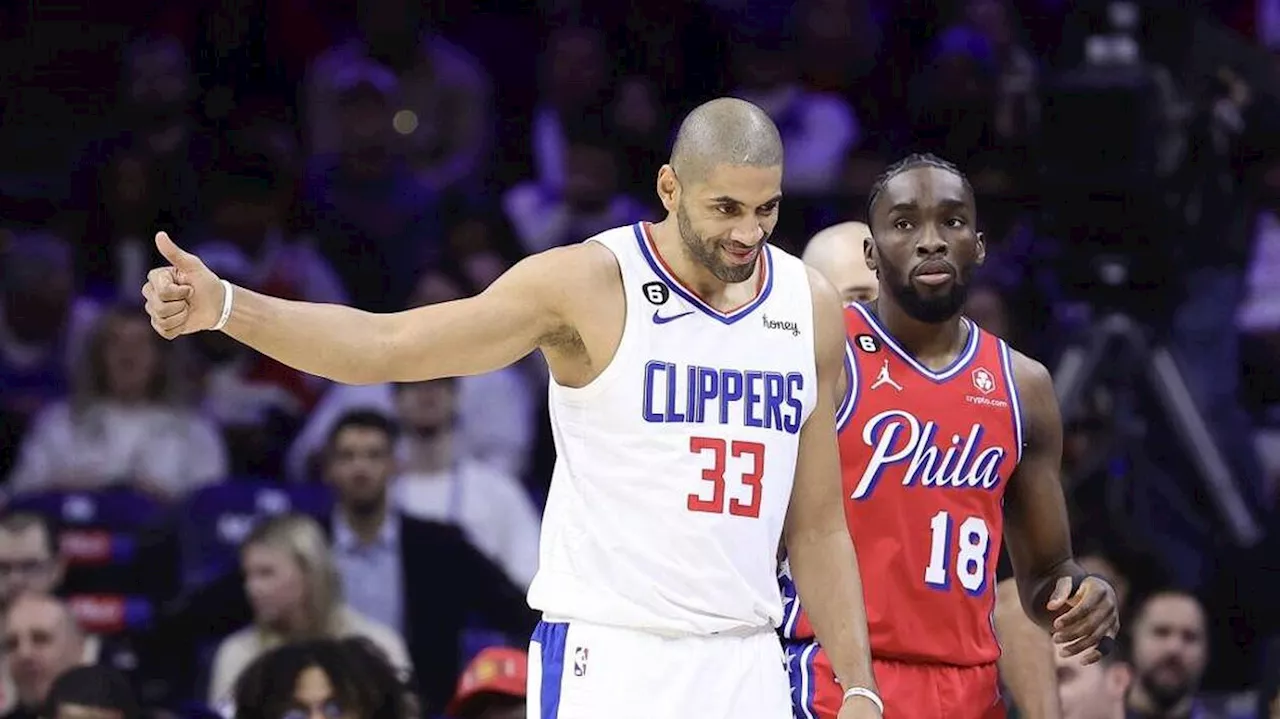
column 177, row 510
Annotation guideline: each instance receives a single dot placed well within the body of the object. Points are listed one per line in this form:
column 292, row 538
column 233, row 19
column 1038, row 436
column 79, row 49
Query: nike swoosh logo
column 660, row 320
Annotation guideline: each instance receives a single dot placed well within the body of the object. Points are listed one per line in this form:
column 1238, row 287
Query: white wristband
column 865, row 694
column 226, row 307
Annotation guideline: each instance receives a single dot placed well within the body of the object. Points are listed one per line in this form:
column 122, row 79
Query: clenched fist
column 184, row 297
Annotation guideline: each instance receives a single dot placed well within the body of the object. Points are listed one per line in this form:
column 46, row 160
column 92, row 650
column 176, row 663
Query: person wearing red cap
column 493, row 686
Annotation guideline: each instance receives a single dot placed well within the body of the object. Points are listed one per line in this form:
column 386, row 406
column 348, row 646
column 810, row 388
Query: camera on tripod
column 1106, row 178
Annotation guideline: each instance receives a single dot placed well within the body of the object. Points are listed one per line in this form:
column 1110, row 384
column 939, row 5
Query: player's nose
column 748, row 232
column 930, row 243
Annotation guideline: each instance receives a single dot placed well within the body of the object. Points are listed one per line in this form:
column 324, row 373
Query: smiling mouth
column 743, row 256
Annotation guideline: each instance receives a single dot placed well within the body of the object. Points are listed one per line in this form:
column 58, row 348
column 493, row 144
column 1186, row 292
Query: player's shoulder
column 1035, row 386
column 579, row 268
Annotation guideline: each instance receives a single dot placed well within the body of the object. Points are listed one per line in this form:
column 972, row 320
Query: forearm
column 1036, row 590
column 1026, row 662
column 331, row 341
column 824, row 566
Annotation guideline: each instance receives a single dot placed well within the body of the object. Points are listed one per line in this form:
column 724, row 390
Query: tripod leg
column 1076, row 371
column 1171, row 390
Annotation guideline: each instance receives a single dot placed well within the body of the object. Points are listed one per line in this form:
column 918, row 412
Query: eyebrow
column 726, row 200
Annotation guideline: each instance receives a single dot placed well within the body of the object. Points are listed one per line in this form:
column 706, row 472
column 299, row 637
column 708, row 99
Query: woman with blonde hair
column 128, row 421
column 296, row 594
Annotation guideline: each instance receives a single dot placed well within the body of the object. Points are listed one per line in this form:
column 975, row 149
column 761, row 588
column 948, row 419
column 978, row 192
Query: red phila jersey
column 925, row 458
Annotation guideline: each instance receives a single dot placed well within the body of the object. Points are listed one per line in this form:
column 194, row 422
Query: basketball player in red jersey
column 949, row 441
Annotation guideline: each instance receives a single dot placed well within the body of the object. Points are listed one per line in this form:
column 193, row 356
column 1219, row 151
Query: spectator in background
column 91, row 692
column 29, row 557
column 41, row 641
column 986, row 307
column 641, row 128
column 1094, row 691
column 439, row 482
column 495, row 410
column 373, row 220
column 333, row 679
column 125, row 422
column 29, row 562
column 42, row 330
column 373, row 544
column 255, row 399
column 444, row 115
column 576, row 74
column 818, row 129
column 1170, row 652
column 493, row 686
column 837, row 254
column 588, row 202
column 296, row 593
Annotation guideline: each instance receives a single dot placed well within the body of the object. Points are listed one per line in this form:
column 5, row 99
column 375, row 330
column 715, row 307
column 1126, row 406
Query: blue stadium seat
column 217, row 518
column 118, row 508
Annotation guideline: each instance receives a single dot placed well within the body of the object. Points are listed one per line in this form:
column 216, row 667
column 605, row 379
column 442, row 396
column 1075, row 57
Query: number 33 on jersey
column 926, row 456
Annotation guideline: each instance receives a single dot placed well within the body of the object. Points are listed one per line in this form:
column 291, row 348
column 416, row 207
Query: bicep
column 1036, row 524
column 486, row 332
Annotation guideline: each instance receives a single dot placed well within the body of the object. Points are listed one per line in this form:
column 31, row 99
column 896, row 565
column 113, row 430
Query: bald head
column 41, row 641
column 725, row 131
column 837, row 254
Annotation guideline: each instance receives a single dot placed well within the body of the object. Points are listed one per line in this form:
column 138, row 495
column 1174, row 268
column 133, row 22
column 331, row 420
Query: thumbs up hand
column 184, row 297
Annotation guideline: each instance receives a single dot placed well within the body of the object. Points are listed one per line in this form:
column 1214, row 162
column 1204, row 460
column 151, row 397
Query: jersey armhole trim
column 850, row 400
column 1015, row 405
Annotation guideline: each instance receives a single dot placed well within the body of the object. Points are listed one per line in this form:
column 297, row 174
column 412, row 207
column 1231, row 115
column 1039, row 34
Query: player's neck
column 429, row 453
column 709, row 288
column 923, row 340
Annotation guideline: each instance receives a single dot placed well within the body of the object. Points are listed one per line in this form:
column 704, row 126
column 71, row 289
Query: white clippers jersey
column 674, row 466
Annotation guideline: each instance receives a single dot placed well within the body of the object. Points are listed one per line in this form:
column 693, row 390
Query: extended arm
column 517, row 314
column 1038, row 533
column 819, row 549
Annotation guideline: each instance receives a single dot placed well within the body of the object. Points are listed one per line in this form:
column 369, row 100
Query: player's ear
column 869, row 255
column 981, row 248
column 668, row 188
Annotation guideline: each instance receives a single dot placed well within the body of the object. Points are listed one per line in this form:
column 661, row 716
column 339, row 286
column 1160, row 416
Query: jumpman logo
column 883, row 378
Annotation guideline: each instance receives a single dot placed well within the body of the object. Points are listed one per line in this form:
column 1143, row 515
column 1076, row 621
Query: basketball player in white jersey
column 692, row 400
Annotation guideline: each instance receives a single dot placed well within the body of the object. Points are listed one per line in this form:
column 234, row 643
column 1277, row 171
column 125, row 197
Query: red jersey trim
column 957, row 365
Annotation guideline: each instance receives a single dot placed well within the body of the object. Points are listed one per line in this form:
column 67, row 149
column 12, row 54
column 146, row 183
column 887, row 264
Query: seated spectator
column 29, row 557
column 373, row 544
column 1170, row 652
column 372, row 218
column 30, row 563
column 92, row 692
column 1093, row 691
column 439, row 482
column 296, row 593
column 495, row 410
column 590, row 201
column 41, row 641
column 493, row 687
column 348, row 679
column 125, row 422
column 42, row 328
column 444, row 119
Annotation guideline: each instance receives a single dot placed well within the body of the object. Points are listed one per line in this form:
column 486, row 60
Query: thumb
column 178, row 257
column 1061, row 593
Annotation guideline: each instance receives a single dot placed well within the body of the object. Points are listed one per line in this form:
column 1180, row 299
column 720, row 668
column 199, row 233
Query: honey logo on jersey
column 897, row 438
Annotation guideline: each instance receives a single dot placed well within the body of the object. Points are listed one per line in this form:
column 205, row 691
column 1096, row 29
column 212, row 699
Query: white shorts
column 588, row 671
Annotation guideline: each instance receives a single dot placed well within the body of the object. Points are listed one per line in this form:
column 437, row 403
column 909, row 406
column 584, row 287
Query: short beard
column 707, row 256
column 929, row 310
column 1164, row 695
